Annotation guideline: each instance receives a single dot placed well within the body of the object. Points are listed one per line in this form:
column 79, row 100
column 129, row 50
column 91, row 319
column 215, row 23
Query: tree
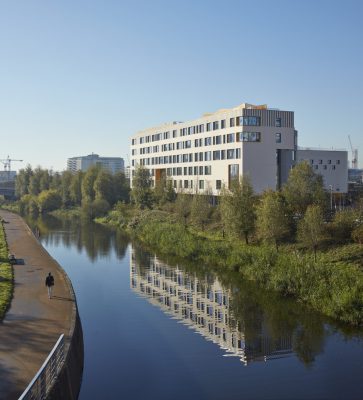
column 34, row 182
column 64, row 187
column 182, row 207
column 164, row 191
column 272, row 221
column 311, row 229
column 121, row 188
column 103, row 186
column 141, row 193
column 49, row 200
column 22, row 181
column 237, row 207
column 75, row 189
column 304, row 188
column 343, row 224
column 200, row 210
column 88, row 192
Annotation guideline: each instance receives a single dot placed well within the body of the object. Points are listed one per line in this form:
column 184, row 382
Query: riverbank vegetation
column 290, row 241
column 6, row 274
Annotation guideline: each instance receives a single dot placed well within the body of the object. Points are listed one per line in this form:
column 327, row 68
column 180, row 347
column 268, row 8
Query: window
column 196, row 157
column 186, row 184
column 338, row 161
column 207, row 156
column 195, row 170
column 207, row 170
column 250, row 137
column 230, row 154
column 200, row 170
column 200, row 156
column 185, row 171
column 190, row 170
column 207, row 141
column 218, row 184
column 278, row 122
column 320, row 161
column 231, row 122
column 223, row 154
column 216, row 155
column 278, row 137
column 333, row 167
column 329, row 161
column 201, row 184
column 251, row 121
column 218, row 139
column 325, row 166
column 174, row 136
column 215, row 125
column 230, row 137
column 238, row 153
column 223, row 123
column 311, row 162
column 208, row 126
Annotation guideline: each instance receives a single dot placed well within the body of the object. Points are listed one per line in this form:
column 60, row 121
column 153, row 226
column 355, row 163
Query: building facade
column 208, row 153
column 82, row 163
column 331, row 164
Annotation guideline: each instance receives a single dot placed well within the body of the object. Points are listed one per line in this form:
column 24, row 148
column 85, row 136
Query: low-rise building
column 332, row 165
column 82, row 163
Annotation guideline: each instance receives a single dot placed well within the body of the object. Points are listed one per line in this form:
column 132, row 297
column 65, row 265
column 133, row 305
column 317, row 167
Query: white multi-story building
column 207, row 153
column 331, row 164
column 82, row 163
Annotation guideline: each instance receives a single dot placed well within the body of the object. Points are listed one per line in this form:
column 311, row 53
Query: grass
column 6, row 275
column 333, row 285
column 67, row 213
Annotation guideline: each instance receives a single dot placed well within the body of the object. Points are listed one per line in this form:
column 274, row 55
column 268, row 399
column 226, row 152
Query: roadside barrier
column 43, row 381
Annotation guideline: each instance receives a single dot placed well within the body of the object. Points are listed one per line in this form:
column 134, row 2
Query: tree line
column 96, row 191
column 299, row 211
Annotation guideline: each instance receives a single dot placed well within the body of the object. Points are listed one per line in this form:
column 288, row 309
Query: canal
column 162, row 330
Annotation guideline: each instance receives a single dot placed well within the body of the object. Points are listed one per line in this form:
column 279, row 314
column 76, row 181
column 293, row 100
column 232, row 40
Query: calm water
column 167, row 331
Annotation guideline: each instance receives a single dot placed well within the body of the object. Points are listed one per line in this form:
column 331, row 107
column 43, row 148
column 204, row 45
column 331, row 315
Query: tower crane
column 7, row 164
column 354, row 155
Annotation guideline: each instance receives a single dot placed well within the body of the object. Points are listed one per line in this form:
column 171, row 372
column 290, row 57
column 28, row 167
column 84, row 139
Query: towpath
column 33, row 323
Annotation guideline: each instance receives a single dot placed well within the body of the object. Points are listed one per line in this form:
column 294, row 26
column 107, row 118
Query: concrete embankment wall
column 68, row 384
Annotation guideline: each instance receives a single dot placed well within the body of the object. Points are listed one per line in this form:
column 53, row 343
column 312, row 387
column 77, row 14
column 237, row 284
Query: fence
column 43, row 381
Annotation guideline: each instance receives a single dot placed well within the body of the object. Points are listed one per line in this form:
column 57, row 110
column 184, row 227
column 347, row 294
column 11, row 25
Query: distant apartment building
column 209, row 152
column 332, row 165
column 7, row 176
column 82, row 163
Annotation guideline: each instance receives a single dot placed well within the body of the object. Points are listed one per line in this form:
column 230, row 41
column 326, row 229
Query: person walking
column 49, row 283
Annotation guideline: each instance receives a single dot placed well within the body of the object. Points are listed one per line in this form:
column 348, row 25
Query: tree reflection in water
column 254, row 324
column 95, row 239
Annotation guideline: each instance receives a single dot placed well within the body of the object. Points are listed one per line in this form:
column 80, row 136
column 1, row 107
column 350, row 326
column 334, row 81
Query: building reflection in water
column 205, row 307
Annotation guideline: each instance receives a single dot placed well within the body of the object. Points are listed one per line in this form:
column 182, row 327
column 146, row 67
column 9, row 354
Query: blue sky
column 82, row 76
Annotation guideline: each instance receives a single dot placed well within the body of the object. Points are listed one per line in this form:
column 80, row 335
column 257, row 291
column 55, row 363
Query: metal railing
column 43, row 381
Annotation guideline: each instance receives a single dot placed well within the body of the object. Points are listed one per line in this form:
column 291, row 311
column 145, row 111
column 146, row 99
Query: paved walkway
column 34, row 323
